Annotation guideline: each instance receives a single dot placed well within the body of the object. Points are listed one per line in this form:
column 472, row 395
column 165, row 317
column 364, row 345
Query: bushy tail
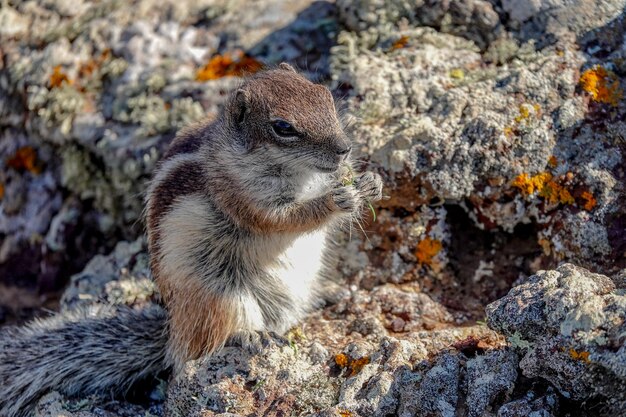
column 95, row 349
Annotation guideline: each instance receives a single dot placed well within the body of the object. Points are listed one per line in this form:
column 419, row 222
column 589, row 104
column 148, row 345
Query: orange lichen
column 524, row 183
column 400, row 43
column 25, row 159
column 602, row 85
column 528, row 185
column 545, row 185
column 58, row 77
column 579, row 356
column 357, row 365
column 553, row 162
column 345, row 413
column 341, row 360
column 545, row 246
column 87, row 68
column 427, row 249
column 1, row 191
column 590, row 201
column 508, row 132
column 554, row 193
column 228, row 65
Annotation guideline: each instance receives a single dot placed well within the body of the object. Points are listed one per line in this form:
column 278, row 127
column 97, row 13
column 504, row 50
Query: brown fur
column 185, row 179
column 200, row 321
column 188, row 140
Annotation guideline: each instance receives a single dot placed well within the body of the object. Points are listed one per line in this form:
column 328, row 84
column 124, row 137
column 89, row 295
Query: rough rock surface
column 569, row 326
column 498, row 127
column 512, row 132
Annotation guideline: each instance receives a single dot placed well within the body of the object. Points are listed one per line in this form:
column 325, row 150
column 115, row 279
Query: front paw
column 346, row 198
column 369, row 186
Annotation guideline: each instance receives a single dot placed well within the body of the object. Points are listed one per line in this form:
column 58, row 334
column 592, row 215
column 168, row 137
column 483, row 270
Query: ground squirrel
column 238, row 214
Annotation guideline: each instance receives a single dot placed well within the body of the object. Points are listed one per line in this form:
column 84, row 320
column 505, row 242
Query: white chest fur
column 299, row 266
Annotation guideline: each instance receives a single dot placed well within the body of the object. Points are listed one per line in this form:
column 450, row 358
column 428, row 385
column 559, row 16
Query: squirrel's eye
column 283, row 128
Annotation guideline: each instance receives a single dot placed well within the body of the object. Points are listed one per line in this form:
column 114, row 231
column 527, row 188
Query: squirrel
column 240, row 215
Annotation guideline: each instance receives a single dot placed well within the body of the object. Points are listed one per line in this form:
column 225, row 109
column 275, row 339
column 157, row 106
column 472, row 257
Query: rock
column 568, row 327
column 531, row 405
column 504, row 130
column 393, row 378
column 489, row 376
column 281, row 378
column 122, row 277
column 439, row 391
column 473, row 19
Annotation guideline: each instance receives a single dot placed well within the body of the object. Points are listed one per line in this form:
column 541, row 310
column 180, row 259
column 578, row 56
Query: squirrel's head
column 289, row 117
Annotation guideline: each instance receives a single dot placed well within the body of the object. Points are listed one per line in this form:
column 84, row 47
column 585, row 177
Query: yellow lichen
column 58, row 77
column 457, row 73
column 524, row 113
column 528, row 185
column 228, row 66
column 602, row 85
column 427, row 249
column 579, row 356
column 590, row 201
column 565, row 197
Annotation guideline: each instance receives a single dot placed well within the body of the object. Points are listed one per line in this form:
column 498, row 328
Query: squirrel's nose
column 344, row 151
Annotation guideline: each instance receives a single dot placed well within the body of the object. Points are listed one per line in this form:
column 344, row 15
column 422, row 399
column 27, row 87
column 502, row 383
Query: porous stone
column 568, row 327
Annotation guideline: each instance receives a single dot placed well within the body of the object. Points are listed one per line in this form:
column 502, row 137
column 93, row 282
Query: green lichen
column 516, row 341
column 147, row 110
column 501, row 51
column 114, row 68
column 81, row 176
column 57, row 107
column 155, row 82
column 184, row 111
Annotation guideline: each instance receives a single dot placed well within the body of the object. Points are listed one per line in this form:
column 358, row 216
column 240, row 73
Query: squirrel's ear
column 285, row 66
column 239, row 107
